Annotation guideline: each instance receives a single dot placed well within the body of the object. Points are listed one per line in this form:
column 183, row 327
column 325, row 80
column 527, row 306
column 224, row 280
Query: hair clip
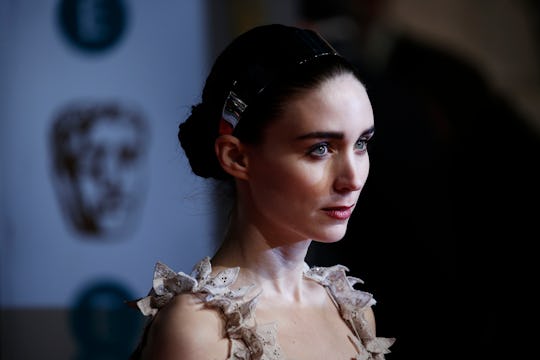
column 232, row 110
column 303, row 46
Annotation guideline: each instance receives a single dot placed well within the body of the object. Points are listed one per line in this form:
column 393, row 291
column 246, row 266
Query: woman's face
column 305, row 177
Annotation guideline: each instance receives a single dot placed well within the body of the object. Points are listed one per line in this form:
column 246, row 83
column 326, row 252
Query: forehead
column 113, row 130
column 337, row 104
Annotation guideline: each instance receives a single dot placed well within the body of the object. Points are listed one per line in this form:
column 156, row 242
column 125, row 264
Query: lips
column 339, row 212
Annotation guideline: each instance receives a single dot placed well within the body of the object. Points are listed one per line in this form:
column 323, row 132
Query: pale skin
column 297, row 186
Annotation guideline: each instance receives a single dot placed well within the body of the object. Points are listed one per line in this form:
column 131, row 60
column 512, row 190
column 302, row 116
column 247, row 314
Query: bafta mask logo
column 99, row 173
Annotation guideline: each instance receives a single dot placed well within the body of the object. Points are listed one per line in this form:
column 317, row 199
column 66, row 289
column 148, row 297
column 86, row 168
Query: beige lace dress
column 248, row 339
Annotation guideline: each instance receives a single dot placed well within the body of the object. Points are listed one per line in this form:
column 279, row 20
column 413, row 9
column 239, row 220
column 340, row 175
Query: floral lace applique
column 252, row 341
column 351, row 303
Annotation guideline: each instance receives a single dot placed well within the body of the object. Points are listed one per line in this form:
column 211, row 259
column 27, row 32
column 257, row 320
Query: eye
column 128, row 154
column 319, row 150
column 361, row 145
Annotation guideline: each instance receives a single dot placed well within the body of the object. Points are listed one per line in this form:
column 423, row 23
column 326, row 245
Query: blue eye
column 361, row 145
column 319, row 150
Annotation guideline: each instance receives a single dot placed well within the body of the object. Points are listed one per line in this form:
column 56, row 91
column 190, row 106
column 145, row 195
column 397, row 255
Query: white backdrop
column 159, row 65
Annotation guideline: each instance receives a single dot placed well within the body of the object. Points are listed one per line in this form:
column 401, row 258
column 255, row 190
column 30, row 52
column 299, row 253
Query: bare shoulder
column 186, row 329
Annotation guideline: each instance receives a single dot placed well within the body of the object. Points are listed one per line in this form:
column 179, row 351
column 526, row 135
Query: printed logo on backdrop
column 102, row 324
column 92, row 25
column 99, row 153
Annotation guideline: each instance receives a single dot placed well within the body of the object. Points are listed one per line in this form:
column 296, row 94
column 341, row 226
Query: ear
column 231, row 154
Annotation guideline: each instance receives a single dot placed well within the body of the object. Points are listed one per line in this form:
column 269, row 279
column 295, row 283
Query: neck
column 269, row 259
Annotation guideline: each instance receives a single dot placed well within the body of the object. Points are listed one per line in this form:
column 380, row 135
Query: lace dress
column 249, row 340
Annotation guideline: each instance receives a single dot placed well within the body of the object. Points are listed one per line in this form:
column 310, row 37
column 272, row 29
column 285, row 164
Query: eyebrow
column 332, row 134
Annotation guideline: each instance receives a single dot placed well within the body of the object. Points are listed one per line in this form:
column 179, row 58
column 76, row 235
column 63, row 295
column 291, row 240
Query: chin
column 331, row 236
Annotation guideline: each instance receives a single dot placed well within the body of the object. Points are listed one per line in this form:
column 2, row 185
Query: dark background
column 444, row 231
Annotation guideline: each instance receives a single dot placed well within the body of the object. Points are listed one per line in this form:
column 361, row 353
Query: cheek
column 291, row 180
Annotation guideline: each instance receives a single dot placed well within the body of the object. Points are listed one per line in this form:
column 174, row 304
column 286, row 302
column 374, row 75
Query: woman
column 286, row 120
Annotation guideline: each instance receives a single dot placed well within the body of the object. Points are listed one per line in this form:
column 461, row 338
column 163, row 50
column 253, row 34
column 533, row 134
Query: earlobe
column 232, row 156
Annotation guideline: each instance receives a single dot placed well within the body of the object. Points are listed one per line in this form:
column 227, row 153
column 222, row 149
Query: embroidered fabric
column 252, row 341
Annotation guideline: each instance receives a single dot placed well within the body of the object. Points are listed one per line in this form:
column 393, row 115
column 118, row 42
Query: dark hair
column 266, row 66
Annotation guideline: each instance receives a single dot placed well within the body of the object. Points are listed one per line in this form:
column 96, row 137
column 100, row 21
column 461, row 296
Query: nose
column 351, row 172
column 105, row 168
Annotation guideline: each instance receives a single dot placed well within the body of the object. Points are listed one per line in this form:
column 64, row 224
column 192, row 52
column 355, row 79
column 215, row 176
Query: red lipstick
column 340, row 212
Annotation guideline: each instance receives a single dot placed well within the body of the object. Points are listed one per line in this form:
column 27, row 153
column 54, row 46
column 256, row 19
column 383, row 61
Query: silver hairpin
column 233, row 109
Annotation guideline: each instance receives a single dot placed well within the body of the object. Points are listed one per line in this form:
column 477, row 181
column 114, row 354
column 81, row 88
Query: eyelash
column 326, row 146
column 364, row 143
column 318, row 146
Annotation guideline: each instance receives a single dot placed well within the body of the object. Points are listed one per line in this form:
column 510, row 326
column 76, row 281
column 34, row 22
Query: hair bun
column 197, row 135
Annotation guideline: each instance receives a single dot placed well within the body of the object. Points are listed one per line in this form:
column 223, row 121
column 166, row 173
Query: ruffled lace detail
column 351, row 303
column 252, row 341
column 248, row 341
